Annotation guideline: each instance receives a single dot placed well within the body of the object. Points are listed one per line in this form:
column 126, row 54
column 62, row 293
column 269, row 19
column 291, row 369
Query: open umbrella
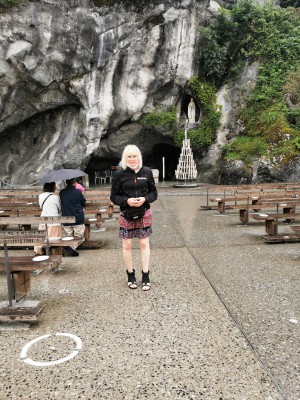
column 62, row 175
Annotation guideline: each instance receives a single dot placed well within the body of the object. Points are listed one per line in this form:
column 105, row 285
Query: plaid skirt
column 141, row 228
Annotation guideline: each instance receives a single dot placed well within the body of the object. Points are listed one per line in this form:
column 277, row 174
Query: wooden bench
column 244, row 211
column 56, row 245
column 20, row 268
column 20, row 213
column 18, row 271
column 282, row 239
column 271, row 220
column 25, row 222
column 285, row 238
column 98, row 212
column 100, row 199
column 21, row 192
column 265, row 189
column 257, row 204
column 239, row 201
column 88, row 222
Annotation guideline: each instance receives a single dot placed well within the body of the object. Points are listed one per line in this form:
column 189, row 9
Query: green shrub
column 212, row 55
column 7, row 4
column 160, row 119
column 245, row 148
column 292, row 85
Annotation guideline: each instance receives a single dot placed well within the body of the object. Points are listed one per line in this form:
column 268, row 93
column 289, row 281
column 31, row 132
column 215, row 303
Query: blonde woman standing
column 133, row 186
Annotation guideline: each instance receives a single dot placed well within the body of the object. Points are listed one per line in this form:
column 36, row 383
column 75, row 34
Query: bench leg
column 10, row 286
column 244, row 216
column 87, row 232
column 270, row 227
column 21, row 284
column 57, row 251
column 221, row 207
column 110, row 211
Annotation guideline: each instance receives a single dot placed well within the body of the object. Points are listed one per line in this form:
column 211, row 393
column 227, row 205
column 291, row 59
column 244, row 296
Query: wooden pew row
column 272, row 219
column 21, row 192
column 56, row 245
column 246, row 211
column 18, row 272
column 231, row 195
column 94, row 215
column 275, row 211
column 236, row 202
column 263, row 187
column 257, row 204
column 99, row 199
column 25, row 222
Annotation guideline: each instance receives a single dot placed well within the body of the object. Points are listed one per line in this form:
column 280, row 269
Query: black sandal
column 146, row 285
column 131, row 280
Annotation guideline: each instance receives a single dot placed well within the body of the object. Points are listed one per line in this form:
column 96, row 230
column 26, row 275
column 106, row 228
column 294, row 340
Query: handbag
column 134, row 213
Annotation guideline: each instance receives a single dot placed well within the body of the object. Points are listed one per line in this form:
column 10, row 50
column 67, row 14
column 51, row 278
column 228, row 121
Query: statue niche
column 192, row 112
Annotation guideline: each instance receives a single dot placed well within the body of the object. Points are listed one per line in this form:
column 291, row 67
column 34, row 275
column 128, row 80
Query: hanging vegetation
column 205, row 133
column 271, row 35
column 6, row 4
column 165, row 119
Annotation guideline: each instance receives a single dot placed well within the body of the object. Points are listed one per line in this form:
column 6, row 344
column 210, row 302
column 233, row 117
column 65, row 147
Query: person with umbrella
column 72, row 204
column 49, row 203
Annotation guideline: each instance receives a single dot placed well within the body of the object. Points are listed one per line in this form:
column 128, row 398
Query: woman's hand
column 136, row 201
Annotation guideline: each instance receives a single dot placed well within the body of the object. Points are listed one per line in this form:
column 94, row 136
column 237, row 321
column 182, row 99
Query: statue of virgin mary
column 192, row 111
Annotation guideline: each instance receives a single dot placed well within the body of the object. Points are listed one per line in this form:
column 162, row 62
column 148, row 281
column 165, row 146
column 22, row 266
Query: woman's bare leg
column 127, row 253
column 145, row 253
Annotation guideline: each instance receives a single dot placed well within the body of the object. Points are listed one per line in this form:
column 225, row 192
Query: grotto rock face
column 230, row 98
column 76, row 79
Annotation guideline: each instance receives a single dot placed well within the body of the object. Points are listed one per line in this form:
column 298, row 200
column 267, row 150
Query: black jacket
column 126, row 183
column 72, row 203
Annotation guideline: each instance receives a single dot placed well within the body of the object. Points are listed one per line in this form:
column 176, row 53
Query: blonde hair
column 131, row 149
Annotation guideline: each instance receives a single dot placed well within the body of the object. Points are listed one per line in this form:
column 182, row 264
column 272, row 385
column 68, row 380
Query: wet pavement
column 220, row 322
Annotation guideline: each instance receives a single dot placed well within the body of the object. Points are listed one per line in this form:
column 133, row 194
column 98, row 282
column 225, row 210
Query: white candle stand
column 186, row 169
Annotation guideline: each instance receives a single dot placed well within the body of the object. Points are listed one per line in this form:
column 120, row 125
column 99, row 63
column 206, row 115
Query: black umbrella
column 62, row 175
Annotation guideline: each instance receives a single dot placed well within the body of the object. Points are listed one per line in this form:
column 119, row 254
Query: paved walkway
column 219, row 323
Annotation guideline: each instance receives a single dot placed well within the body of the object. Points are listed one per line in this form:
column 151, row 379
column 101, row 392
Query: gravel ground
column 220, row 322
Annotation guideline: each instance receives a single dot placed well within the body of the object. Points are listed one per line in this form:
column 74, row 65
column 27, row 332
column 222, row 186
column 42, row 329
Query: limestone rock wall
column 72, row 75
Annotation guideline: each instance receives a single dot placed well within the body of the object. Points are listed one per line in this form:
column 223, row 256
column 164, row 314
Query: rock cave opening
column 152, row 160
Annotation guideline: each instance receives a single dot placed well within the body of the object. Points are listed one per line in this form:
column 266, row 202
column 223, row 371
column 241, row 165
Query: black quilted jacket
column 126, row 183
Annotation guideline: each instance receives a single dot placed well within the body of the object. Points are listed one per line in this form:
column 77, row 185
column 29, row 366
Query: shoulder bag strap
column 45, row 200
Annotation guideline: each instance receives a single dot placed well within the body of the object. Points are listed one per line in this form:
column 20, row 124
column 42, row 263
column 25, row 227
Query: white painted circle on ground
column 29, row 361
column 293, row 320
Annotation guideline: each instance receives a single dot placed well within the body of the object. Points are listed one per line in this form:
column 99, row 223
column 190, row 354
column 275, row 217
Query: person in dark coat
column 72, row 204
column 134, row 186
